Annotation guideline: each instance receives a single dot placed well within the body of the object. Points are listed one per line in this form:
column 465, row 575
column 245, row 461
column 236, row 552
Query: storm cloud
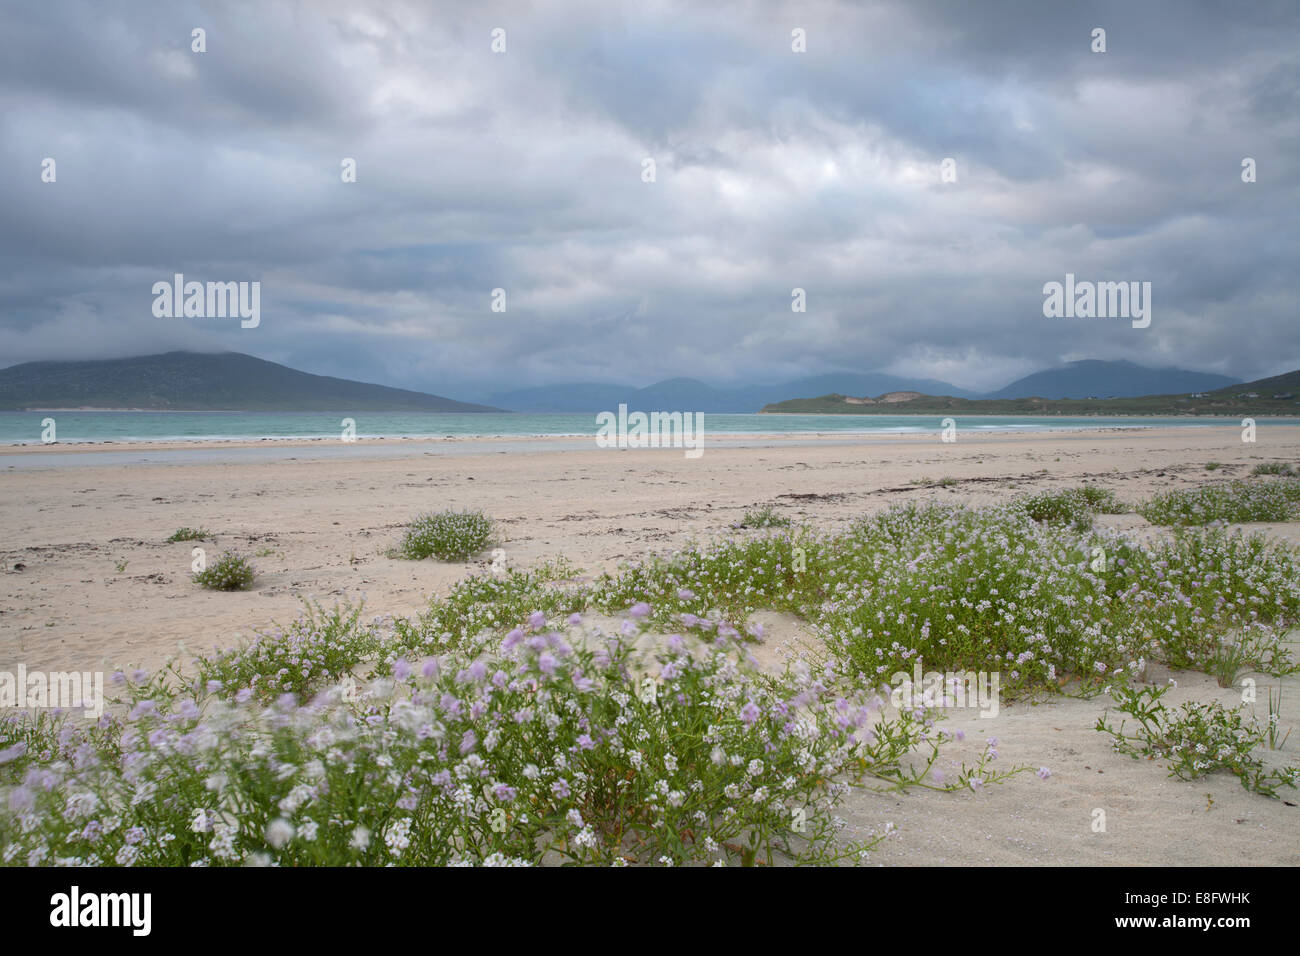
column 522, row 170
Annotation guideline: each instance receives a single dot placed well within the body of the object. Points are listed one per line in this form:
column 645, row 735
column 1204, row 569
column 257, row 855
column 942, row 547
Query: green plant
column 1274, row 717
column 446, row 535
column 230, row 572
column 189, row 534
column 121, row 566
column 489, row 602
column 1196, row 739
column 1235, row 501
column 1213, row 465
column 398, row 741
column 554, row 745
column 1228, row 660
column 318, row 648
column 1228, row 600
column 1074, row 506
column 764, row 518
column 1272, row 468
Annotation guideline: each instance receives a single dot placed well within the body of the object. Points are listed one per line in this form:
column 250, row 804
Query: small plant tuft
column 1273, row 468
column 1075, row 506
column 230, row 572
column 1196, row 739
column 446, row 535
column 765, row 518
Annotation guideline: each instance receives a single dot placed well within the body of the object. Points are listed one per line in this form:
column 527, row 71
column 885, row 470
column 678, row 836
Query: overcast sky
column 774, row 170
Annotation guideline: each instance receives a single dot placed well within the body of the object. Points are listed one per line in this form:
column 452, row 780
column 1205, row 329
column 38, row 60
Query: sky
column 775, row 169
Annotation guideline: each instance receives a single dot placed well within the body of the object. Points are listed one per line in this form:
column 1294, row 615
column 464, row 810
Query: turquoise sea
column 78, row 426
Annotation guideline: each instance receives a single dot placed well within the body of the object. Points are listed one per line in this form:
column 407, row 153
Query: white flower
column 398, row 836
column 360, row 838
column 279, row 832
column 295, row 799
column 126, row 855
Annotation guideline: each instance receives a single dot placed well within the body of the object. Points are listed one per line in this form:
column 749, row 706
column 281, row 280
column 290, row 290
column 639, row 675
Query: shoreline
column 212, row 450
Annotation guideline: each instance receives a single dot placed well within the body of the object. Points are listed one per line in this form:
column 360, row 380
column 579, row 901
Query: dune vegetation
column 525, row 718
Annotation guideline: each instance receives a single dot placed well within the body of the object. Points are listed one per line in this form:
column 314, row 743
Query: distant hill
column 1276, row 384
column 688, row 394
column 194, row 381
column 1093, row 378
column 1089, row 378
column 1278, row 395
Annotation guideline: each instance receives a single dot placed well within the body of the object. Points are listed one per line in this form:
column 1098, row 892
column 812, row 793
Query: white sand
column 326, row 524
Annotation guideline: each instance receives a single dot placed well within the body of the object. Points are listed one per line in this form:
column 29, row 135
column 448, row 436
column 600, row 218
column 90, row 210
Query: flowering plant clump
column 1235, row 501
column 1217, row 599
column 484, row 732
column 552, row 745
column 1273, row 468
column 766, row 517
column 230, row 572
column 991, row 589
column 493, row 601
column 447, row 535
column 979, row 589
column 781, row 570
column 1196, row 739
column 1075, row 506
column 319, row 648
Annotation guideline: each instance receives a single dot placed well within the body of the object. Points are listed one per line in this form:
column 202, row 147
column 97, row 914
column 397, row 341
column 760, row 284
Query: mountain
column 1092, row 378
column 688, row 394
column 1277, row 395
column 1287, row 383
column 194, row 381
column 1089, row 378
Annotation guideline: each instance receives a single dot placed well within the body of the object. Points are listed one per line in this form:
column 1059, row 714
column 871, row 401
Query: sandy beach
column 88, row 579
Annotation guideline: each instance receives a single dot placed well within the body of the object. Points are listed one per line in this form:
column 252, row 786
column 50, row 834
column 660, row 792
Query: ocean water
column 76, row 427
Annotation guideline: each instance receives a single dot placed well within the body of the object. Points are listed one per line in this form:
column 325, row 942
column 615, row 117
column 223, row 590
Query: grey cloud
column 774, row 170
